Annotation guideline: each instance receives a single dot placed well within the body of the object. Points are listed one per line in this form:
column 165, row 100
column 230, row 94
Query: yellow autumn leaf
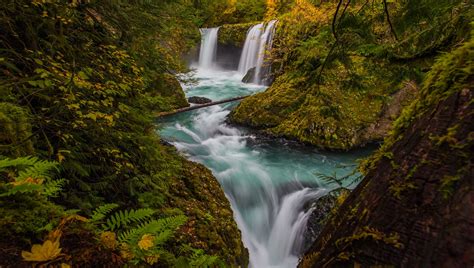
column 146, row 242
column 46, row 252
column 28, row 180
column 108, row 239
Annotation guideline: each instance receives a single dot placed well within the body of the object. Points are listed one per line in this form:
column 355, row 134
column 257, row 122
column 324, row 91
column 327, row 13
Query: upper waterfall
column 266, row 42
column 258, row 42
column 248, row 59
column 207, row 54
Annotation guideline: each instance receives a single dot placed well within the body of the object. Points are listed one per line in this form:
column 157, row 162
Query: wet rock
column 199, row 100
column 249, row 77
column 322, row 208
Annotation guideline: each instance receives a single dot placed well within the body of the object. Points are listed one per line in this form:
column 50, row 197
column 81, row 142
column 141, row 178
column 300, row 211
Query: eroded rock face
column 415, row 206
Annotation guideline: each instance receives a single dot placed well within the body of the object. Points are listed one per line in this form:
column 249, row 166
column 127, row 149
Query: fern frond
column 199, row 259
column 40, row 169
column 22, row 188
column 162, row 228
column 17, row 162
column 100, row 212
column 52, row 188
column 122, row 218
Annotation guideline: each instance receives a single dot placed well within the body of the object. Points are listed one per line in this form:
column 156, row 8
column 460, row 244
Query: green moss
column 335, row 93
column 234, row 34
column 190, row 188
column 331, row 115
column 167, row 94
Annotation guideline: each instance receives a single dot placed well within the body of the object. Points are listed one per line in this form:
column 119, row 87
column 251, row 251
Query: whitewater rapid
column 267, row 183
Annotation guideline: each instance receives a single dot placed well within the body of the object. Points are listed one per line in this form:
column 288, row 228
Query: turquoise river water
column 268, row 182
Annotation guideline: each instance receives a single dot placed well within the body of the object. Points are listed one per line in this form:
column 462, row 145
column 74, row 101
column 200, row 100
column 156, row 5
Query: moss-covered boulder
column 193, row 190
column 168, row 93
column 341, row 113
column 415, row 207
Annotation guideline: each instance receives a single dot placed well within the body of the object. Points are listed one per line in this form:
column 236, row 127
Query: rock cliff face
column 415, row 206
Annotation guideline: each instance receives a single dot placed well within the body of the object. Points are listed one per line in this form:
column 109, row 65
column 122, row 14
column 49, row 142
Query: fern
column 122, row 218
column 31, row 172
column 40, row 169
column 52, row 188
column 100, row 212
column 17, row 162
column 23, row 188
column 164, row 228
column 199, row 259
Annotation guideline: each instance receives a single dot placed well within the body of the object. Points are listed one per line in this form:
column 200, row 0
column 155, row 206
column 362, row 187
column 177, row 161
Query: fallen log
column 195, row 107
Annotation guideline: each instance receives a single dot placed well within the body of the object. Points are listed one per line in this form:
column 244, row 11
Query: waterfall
column 269, row 184
column 271, row 215
column 265, row 45
column 207, row 54
column 248, row 59
column 257, row 43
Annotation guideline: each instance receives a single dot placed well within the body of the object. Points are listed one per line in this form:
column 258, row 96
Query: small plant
column 139, row 238
column 28, row 175
column 352, row 177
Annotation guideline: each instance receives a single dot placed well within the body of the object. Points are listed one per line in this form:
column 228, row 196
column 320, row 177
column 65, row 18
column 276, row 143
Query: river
column 268, row 182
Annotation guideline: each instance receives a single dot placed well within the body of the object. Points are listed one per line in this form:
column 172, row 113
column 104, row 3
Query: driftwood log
column 195, row 107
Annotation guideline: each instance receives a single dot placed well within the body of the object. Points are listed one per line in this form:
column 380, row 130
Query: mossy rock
column 168, row 93
column 234, row 34
column 333, row 115
column 210, row 226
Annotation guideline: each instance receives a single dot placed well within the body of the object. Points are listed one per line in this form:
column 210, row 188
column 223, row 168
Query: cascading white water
column 265, row 46
column 270, row 215
column 207, row 54
column 248, row 59
column 268, row 185
column 257, row 43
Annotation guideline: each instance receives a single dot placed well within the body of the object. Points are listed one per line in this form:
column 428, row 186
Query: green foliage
column 337, row 74
column 100, row 212
column 341, row 181
column 26, row 183
column 123, row 218
column 163, row 229
column 143, row 240
column 30, row 175
column 79, row 84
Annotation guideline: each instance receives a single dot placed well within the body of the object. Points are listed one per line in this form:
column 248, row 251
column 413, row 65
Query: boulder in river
column 249, row 76
column 198, row 100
